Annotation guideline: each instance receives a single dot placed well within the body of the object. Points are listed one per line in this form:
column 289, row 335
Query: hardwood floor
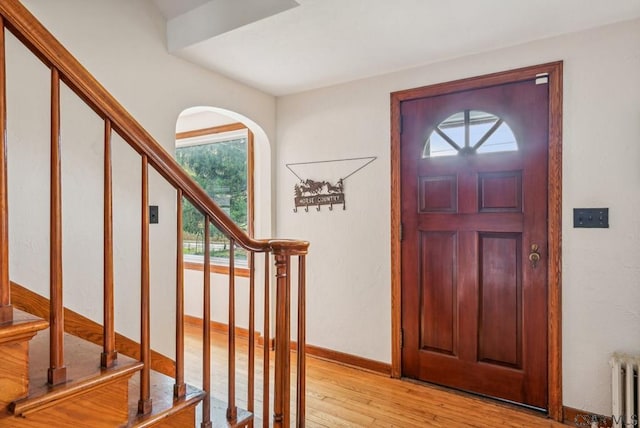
column 340, row 396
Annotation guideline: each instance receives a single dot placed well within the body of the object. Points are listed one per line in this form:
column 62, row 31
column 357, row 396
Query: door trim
column 554, row 227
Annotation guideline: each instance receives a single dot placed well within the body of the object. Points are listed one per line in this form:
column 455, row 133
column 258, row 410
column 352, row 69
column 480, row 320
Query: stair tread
column 23, row 324
column 82, row 360
column 219, row 415
column 163, row 403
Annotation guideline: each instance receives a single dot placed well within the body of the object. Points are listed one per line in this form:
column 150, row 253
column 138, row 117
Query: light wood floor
column 340, row 396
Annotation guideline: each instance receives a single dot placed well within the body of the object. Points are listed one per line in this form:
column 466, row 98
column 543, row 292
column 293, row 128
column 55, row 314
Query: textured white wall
column 349, row 262
column 122, row 44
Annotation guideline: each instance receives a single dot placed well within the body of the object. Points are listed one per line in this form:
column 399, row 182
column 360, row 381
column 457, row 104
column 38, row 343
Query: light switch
column 153, row 214
column 591, row 217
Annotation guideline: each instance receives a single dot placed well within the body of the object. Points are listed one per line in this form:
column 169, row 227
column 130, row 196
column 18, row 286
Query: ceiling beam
column 217, row 17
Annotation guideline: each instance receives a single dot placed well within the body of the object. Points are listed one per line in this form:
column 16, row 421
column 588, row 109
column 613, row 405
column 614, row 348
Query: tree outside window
column 219, row 166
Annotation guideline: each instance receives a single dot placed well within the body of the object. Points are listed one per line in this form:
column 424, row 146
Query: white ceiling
column 172, row 8
column 325, row 42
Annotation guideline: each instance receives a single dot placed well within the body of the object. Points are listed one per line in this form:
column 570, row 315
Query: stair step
column 14, row 353
column 82, row 360
column 72, row 389
column 166, row 412
column 23, row 326
column 219, row 415
column 90, row 395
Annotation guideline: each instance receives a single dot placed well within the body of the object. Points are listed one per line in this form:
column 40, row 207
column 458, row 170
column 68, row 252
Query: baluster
column 109, row 354
column 206, row 328
column 287, row 324
column 251, row 260
column 281, row 410
column 232, row 410
column 302, row 325
column 144, row 403
column 252, row 331
column 180, row 388
column 6, row 312
column 266, row 343
column 57, row 372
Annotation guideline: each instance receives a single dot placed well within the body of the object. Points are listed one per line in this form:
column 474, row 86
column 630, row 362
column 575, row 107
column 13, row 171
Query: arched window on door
column 470, row 132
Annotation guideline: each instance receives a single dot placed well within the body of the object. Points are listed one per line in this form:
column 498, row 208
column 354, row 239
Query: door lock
column 534, row 255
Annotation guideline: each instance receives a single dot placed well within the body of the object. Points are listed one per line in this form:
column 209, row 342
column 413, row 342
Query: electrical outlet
column 153, row 214
column 591, row 217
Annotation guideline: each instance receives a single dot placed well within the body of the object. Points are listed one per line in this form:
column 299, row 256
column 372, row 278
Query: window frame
column 217, row 131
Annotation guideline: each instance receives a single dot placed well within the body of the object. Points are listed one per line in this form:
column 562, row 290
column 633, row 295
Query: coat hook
column 295, row 210
column 318, row 208
column 331, row 207
column 306, row 209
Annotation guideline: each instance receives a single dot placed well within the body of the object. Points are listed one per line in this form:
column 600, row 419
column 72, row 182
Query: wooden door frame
column 554, row 227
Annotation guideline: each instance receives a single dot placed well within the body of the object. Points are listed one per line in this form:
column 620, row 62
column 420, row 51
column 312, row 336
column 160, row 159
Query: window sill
column 242, row 272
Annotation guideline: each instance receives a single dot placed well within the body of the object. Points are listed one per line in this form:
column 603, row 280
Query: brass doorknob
column 534, row 255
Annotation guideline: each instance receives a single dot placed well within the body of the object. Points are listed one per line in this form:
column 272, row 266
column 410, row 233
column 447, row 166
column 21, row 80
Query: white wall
column 349, row 262
column 122, row 43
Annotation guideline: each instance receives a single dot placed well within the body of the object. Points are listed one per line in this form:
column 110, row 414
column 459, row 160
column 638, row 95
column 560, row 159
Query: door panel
column 500, row 192
column 438, row 194
column 500, row 329
column 438, row 290
column 473, row 307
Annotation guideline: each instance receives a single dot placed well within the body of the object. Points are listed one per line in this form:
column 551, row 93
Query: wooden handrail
column 33, row 34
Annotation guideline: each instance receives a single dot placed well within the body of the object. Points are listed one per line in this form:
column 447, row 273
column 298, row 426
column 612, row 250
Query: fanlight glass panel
column 470, row 132
column 438, row 146
column 453, row 127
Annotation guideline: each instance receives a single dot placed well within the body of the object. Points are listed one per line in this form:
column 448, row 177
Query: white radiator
column 624, row 388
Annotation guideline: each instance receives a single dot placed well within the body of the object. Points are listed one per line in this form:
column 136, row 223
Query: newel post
column 282, row 382
column 283, row 251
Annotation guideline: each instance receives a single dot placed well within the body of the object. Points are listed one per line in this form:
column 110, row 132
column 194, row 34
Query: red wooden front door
column 474, row 240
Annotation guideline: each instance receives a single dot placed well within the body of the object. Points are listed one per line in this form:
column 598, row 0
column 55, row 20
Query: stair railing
column 15, row 18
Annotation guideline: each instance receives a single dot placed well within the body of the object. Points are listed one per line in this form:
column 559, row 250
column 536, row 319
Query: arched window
column 220, row 160
column 470, row 132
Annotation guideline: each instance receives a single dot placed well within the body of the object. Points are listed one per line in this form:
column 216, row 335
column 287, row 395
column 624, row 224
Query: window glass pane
column 480, row 123
column 453, row 127
column 437, row 146
column 220, row 168
column 502, row 140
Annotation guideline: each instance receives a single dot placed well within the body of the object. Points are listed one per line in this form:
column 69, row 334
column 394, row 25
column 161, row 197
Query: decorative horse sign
column 309, row 193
